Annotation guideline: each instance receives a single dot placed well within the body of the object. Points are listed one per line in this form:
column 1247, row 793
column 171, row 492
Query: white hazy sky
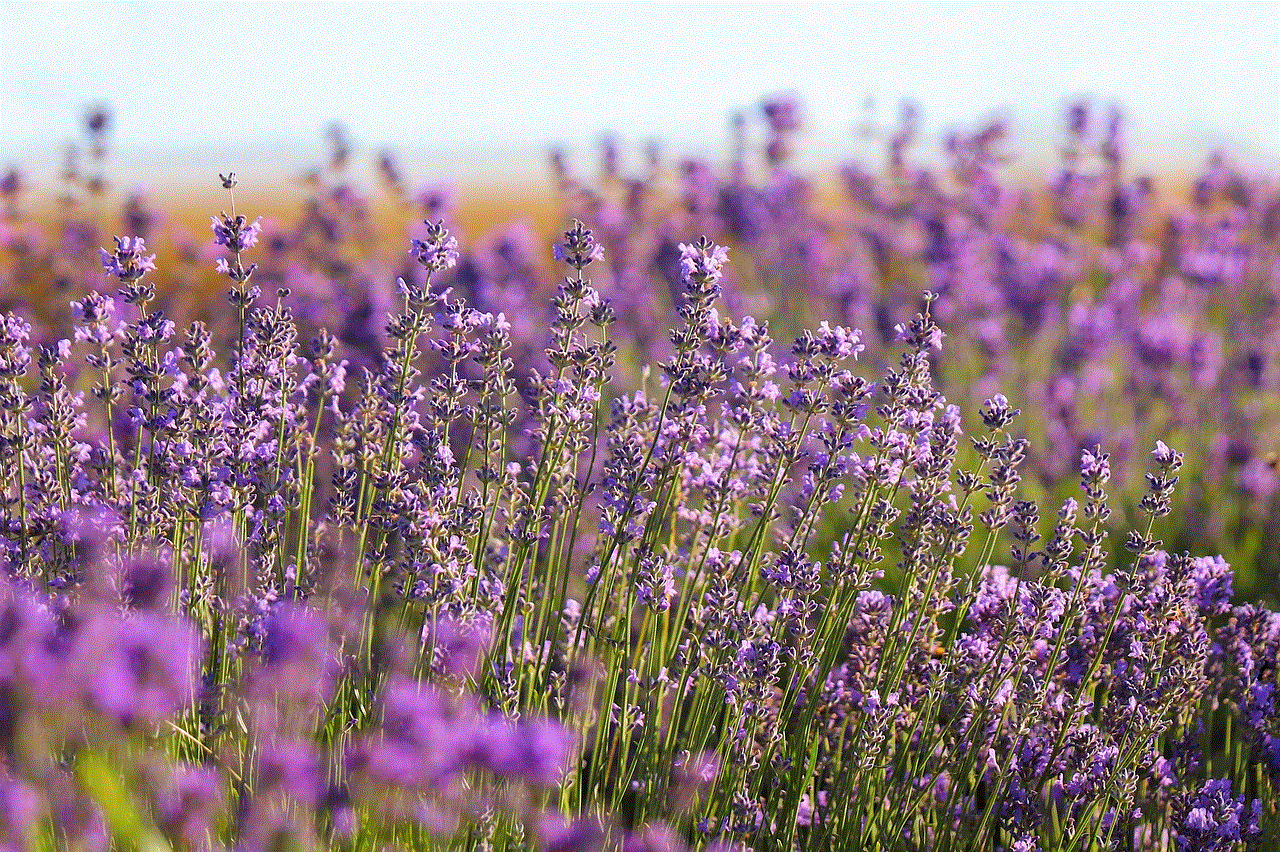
column 210, row 79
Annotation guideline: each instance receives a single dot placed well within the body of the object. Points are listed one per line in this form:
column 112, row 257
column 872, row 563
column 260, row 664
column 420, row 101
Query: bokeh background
column 475, row 94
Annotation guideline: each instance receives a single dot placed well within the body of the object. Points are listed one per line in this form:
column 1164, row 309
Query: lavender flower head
column 1095, row 467
column 95, row 313
column 1167, row 456
column 922, row 332
column 128, row 262
column 838, row 341
column 438, row 251
column 1210, row 578
column 579, row 248
column 1159, row 498
column 236, row 232
column 701, row 262
column 1215, row 820
column 998, row 413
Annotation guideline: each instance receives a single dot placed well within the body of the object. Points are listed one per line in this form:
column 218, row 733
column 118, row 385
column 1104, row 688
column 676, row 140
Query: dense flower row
column 1110, row 304
column 435, row 585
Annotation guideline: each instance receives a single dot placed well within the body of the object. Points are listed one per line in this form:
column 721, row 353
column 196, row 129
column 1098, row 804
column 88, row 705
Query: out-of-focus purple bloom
column 458, row 648
column 149, row 670
column 20, row 807
column 1078, row 118
column 783, row 113
column 11, row 183
column 190, row 803
column 655, row 837
column 692, row 777
column 806, row 814
column 535, row 752
column 428, row 739
column 97, row 119
column 585, row 834
column 420, row 742
column 298, row 659
column 147, row 580
column 1258, row 479
column 291, row 768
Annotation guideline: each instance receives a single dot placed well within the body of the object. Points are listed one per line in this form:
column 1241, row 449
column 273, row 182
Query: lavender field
column 938, row 511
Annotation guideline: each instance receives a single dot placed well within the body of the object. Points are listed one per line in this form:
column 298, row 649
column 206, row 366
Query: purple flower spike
column 579, row 248
column 1214, row 821
column 701, row 262
column 438, row 251
column 1167, row 456
column 1095, row 466
column 236, row 232
column 95, row 314
column 1211, row 579
column 998, row 413
column 128, row 262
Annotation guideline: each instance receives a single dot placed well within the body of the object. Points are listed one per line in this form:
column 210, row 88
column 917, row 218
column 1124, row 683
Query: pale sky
column 187, row 80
